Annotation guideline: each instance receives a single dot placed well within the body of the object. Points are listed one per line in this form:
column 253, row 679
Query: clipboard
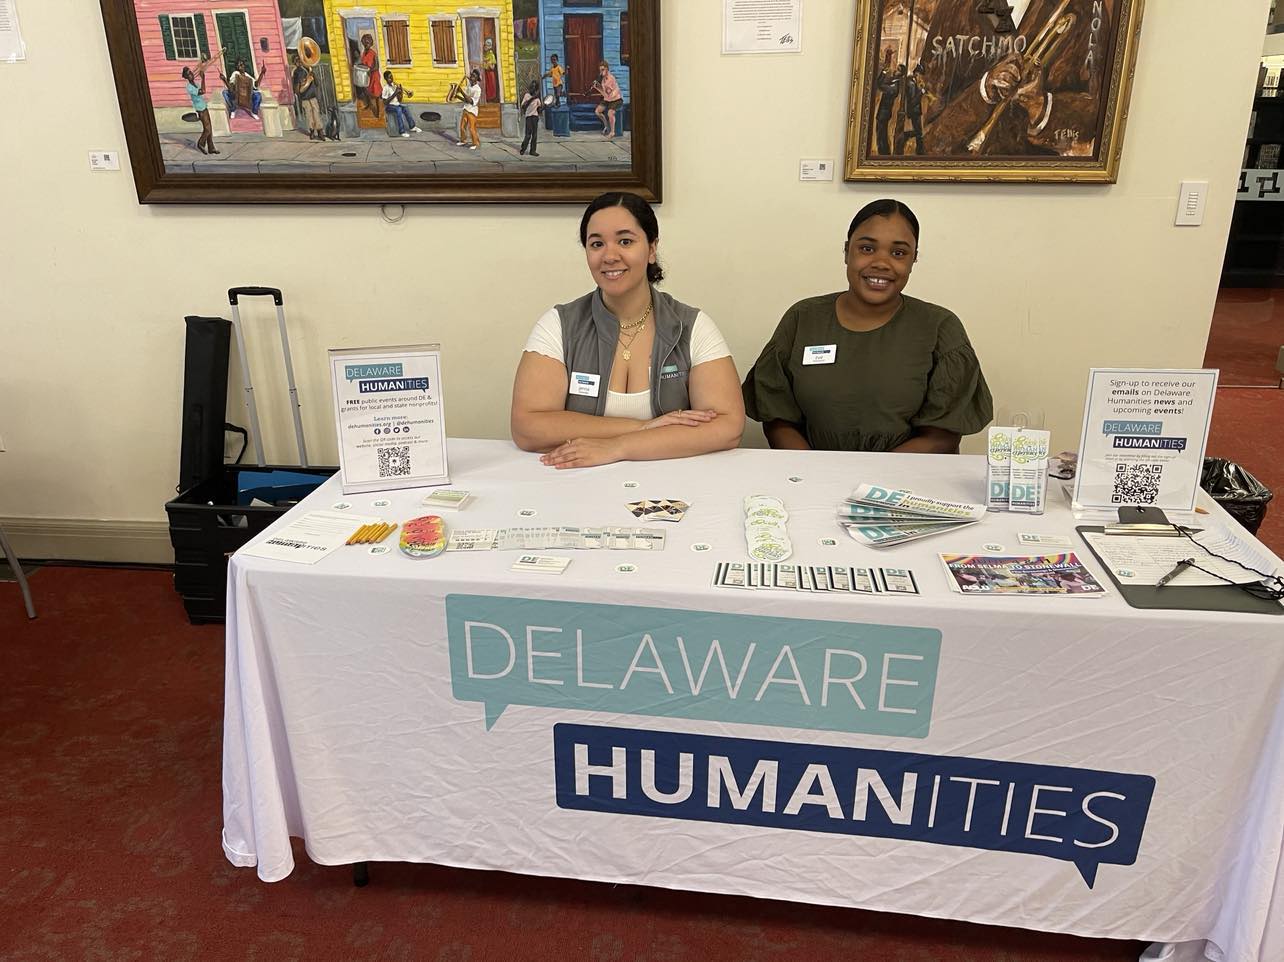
column 1179, row 598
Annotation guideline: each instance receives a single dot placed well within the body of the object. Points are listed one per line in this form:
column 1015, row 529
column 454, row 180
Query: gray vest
column 590, row 333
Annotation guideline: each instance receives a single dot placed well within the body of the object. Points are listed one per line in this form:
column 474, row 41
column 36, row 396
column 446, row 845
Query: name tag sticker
column 585, row 385
column 820, row 354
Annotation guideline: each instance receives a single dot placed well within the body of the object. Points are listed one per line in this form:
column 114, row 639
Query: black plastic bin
column 206, row 526
column 1242, row 495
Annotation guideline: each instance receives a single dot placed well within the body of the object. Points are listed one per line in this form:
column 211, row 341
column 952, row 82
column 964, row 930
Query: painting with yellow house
column 408, row 93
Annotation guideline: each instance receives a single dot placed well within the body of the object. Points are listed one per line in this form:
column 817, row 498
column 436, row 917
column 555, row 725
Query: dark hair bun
column 883, row 208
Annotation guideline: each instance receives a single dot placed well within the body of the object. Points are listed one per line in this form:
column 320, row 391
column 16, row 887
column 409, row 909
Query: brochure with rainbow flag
column 1045, row 574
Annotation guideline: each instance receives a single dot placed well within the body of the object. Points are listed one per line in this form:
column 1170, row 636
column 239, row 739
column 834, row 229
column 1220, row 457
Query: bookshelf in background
column 1255, row 246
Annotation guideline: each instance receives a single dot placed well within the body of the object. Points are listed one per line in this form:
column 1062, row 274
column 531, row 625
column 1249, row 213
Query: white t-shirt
column 707, row 344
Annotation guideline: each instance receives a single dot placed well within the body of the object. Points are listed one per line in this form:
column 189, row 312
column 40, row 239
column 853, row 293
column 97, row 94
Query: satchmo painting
column 413, row 100
column 1022, row 90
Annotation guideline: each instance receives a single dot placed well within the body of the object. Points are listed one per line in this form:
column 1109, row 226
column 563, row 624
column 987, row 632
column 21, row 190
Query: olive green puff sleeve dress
column 917, row 370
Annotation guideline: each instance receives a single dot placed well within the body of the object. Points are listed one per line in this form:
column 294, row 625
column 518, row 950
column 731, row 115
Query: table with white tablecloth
column 1055, row 763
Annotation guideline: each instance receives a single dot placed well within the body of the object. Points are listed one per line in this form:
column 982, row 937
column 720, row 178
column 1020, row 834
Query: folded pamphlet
column 880, row 517
column 885, row 535
column 907, row 502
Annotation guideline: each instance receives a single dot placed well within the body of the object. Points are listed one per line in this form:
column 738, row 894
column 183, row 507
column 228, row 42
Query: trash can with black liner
column 1242, row 495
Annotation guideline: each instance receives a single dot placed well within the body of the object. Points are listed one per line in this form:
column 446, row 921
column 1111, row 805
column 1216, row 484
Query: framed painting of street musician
column 317, row 101
column 991, row 90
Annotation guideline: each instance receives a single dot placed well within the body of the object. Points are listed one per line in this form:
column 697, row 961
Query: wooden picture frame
column 264, row 146
column 961, row 90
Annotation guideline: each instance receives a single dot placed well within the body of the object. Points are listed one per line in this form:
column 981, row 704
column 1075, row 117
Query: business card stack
column 879, row 517
column 541, row 564
column 818, row 578
column 449, row 499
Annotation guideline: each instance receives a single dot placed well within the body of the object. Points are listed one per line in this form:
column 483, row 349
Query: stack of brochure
column 880, row 517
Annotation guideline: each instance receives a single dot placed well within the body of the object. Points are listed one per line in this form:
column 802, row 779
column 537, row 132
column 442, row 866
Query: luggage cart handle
column 272, row 292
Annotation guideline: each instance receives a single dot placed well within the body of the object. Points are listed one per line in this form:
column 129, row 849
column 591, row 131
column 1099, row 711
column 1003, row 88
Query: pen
column 1178, row 569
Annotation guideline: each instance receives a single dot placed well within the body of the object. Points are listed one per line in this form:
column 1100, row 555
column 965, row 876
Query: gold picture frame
column 977, row 91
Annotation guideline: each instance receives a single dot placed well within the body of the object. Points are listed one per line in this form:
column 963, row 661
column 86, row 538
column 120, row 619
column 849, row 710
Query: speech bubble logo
column 1084, row 816
column 673, row 663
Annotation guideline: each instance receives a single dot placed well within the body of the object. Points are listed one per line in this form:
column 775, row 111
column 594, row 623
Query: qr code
column 1136, row 483
column 394, row 462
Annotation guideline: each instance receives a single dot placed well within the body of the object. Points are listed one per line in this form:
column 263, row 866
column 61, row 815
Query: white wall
column 1048, row 279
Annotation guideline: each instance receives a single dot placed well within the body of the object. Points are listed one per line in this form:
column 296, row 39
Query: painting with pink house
column 181, row 34
column 315, row 101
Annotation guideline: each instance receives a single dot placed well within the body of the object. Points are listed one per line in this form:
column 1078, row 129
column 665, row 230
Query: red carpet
column 110, row 723
column 1246, row 336
column 1248, row 426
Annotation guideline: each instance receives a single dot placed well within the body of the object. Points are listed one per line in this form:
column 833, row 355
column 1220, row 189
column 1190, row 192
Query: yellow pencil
column 391, row 529
column 377, row 534
column 356, row 535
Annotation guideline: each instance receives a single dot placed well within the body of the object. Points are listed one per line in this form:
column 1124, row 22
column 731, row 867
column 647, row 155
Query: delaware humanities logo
column 1078, row 815
column 382, row 378
column 672, row 663
column 783, row 672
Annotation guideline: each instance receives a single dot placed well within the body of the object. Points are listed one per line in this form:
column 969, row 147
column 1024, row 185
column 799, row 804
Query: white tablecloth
column 343, row 727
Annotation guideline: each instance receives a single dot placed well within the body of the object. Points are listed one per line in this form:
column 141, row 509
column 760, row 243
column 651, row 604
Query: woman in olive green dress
column 870, row 368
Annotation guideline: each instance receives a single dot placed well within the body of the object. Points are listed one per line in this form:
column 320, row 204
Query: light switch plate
column 1190, row 203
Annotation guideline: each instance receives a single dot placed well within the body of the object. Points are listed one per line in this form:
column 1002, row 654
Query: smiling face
column 617, row 251
column 880, row 256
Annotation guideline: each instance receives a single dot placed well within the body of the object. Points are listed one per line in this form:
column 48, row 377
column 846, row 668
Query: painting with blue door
column 445, row 99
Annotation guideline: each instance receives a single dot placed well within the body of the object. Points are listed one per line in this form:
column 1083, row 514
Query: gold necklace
column 636, row 327
column 626, row 353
